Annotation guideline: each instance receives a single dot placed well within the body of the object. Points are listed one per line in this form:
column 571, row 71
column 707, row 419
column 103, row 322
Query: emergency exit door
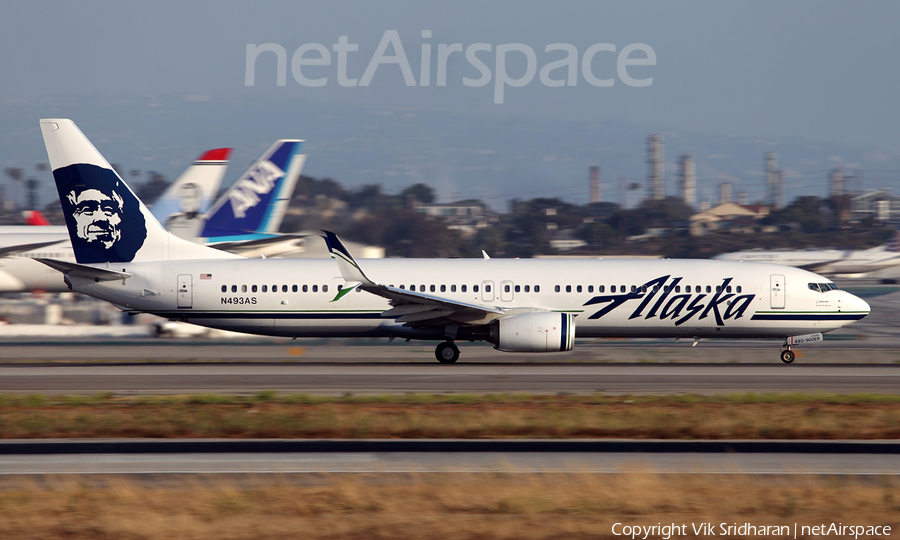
column 185, row 291
column 776, row 291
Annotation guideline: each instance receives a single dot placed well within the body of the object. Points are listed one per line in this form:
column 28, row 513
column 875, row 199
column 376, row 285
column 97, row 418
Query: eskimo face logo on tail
column 662, row 297
column 103, row 216
column 247, row 192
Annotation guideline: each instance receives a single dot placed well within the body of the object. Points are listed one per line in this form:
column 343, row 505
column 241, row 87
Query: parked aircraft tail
column 195, row 190
column 106, row 221
column 35, row 218
column 256, row 203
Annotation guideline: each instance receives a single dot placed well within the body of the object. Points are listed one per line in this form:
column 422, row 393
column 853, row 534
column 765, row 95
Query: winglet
column 350, row 271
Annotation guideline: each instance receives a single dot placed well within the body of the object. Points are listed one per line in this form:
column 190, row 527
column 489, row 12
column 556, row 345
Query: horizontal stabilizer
column 84, row 271
column 25, row 248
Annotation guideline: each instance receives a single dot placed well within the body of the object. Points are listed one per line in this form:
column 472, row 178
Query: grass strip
column 445, row 506
column 270, row 415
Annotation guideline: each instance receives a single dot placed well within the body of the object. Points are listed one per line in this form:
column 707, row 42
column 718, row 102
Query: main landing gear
column 447, row 352
column 787, row 355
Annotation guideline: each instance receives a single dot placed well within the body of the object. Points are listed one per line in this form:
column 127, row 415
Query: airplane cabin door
column 506, row 291
column 776, row 297
column 487, row 291
column 185, row 291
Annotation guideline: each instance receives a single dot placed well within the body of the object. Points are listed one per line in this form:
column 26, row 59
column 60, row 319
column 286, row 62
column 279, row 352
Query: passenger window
column 403, row 287
column 537, row 288
column 462, row 288
column 517, row 288
column 678, row 288
column 443, row 288
column 590, row 288
column 421, row 288
column 315, row 288
column 432, row 288
column 718, row 288
column 324, row 288
column 234, row 288
column 738, row 288
column 253, row 289
column 578, row 288
column 687, row 288
column 243, row 288
column 568, row 288
column 708, row 288
column 643, row 288
column 487, row 288
column 474, row 288
column 728, row 288
column 452, row 288
column 306, row 288
column 506, row 288
column 622, row 288
column 633, row 288
column 265, row 288
column 293, row 288
column 556, row 288
column 274, row 288
column 612, row 288
column 224, row 288
column 527, row 288
column 601, row 288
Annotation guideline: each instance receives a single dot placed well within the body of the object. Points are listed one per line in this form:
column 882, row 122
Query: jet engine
column 534, row 332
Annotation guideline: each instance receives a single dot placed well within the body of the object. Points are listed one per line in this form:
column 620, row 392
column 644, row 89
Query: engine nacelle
column 534, row 332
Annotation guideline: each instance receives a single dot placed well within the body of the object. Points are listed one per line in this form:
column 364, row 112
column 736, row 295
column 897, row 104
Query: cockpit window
column 823, row 287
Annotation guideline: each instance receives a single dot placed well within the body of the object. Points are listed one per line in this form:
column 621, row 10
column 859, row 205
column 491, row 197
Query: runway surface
column 709, row 457
column 306, row 463
column 378, row 378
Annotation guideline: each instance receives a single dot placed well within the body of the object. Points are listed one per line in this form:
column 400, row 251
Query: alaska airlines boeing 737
column 518, row 305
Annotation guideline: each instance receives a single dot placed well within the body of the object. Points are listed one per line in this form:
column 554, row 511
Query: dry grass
column 440, row 506
column 270, row 416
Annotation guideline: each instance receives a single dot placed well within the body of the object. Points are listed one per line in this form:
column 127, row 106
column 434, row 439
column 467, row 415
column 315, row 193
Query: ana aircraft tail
column 893, row 244
column 106, row 221
column 35, row 218
column 195, row 190
column 257, row 201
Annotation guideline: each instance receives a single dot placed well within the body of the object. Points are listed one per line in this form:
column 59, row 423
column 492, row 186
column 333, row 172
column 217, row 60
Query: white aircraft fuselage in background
column 519, row 305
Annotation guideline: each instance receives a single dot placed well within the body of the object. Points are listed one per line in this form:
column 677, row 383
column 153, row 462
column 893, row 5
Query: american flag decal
column 205, row 276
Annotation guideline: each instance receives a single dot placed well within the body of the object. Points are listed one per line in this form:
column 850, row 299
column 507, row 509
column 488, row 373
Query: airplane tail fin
column 194, row 191
column 106, row 221
column 256, row 203
column 35, row 218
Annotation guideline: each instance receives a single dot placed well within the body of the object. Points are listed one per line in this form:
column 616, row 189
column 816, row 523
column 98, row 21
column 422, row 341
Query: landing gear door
column 185, row 291
column 776, row 291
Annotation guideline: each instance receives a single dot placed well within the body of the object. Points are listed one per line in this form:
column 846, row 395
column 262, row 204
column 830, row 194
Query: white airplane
column 527, row 305
column 833, row 262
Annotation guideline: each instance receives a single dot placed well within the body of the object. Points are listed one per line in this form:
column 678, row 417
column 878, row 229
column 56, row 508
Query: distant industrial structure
column 724, row 192
column 687, row 179
column 594, row 173
column 774, row 182
column 656, row 175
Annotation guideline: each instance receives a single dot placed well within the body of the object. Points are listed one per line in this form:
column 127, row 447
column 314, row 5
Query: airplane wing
column 818, row 265
column 406, row 306
column 84, row 271
column 24, row 248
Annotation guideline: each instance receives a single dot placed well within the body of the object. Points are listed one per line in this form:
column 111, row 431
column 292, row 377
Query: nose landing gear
column 447, row 353
column 787, row 356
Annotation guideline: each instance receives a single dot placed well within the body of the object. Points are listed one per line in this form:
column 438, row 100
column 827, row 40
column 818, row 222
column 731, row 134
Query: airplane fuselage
column 610, row 298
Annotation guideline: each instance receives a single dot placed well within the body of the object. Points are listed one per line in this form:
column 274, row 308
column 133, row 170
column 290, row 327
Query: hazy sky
column 816, row 71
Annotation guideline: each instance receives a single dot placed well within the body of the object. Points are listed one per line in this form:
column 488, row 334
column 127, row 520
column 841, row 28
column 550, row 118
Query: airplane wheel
column 787, row 356
column 447, row 353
